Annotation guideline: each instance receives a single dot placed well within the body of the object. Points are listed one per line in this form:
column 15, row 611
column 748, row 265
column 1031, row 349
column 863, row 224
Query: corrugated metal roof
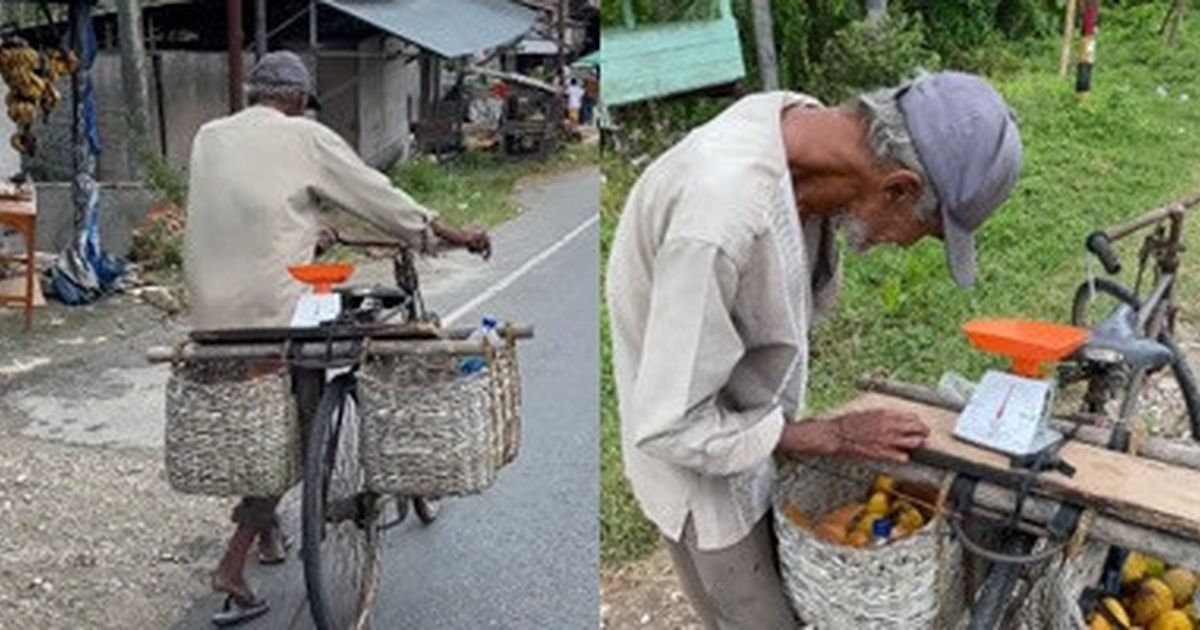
column 451, row 28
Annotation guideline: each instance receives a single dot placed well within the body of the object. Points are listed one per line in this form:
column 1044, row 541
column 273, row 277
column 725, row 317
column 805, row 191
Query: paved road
column 525, row 553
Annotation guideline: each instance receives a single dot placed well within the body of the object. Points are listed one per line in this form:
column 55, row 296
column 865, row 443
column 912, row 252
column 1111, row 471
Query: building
column 378, row 67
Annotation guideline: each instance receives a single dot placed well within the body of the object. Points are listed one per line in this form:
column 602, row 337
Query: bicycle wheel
column 341, row 544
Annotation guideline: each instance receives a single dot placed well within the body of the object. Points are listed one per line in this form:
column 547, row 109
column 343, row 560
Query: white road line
column 507, row 281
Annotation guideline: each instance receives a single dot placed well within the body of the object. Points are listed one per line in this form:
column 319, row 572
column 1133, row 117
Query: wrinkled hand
column 474, row 240
column 878, row 434
column 477, row 242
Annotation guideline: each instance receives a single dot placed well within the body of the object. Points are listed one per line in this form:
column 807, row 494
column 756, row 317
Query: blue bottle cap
column 490, row 321
column 881, row 528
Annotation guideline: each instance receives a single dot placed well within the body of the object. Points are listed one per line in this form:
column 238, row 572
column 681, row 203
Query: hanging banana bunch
column 32, row 79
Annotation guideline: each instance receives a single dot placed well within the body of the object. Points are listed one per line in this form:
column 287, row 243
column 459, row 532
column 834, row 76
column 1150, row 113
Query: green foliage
column 1087, row 165
column 658, row 11
column 863, row 56
column 169, row 181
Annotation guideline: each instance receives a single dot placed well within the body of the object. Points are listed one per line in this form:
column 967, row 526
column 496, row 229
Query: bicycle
column 342, row 520
column 1136, row 336
column 1128, row 342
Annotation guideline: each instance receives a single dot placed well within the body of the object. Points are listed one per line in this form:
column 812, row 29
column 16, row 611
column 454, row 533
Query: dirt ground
column 83, row 526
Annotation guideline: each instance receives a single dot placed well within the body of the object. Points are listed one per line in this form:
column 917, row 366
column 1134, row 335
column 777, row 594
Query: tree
column 764, row 43
column 133, row 73
column 876, row 10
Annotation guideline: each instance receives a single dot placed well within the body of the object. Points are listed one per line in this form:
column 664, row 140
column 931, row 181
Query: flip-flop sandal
column 269, row 560
column 234, row 612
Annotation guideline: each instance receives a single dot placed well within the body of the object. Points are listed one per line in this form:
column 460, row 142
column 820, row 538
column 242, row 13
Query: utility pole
column 260, row 28
column 133, row 74
column 237, row 69
column 764, row 43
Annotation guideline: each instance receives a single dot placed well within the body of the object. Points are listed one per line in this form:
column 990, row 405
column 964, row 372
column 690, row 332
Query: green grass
column 1087, row 165
column 473, row 189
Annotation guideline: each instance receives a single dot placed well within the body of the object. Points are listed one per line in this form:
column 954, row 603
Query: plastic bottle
column 473, row 363
column 881, row 532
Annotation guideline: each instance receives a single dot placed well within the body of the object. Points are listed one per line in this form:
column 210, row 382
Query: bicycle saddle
column 388, row 297
column 1117, row 334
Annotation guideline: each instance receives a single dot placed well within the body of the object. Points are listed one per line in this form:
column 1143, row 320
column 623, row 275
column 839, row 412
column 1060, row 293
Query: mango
column 1151, row 599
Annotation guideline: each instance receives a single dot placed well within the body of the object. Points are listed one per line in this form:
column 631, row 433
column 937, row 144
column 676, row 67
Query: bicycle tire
column 340, row 535
column 427, row 509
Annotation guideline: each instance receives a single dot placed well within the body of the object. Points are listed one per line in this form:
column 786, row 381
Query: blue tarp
column 83, row 272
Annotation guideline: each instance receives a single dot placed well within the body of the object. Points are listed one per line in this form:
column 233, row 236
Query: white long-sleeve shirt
column 712, row 285
column 256, row 182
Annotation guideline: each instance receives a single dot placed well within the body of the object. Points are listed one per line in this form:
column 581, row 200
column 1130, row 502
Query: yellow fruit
column 1151, row 599
column 1171, row 620
column 885, row 484
column 1116, row 609
column 911, row 519
column 878, row 504
column 1182, row 584
column 1155, row 567
column 866, row 523
column 1134, row 568
column 1190, row 611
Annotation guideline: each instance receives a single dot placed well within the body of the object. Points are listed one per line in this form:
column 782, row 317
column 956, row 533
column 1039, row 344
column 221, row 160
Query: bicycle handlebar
column 1157, row 215
column 1099, row 244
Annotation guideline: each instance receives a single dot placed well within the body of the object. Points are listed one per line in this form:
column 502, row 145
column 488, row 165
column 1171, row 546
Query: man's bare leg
column 229, row 576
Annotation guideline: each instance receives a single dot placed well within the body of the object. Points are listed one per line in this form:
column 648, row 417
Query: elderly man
column 257, row 180
column 723, row 260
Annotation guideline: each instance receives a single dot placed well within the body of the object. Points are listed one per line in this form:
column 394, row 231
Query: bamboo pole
column 337, row 349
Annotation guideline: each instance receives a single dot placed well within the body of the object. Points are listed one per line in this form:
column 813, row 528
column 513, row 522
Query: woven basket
column 228, row 434
column 429, row 431
column 905, row 585
column 1054, row 600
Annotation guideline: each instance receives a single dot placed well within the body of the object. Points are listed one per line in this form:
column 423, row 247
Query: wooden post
column 1064, row 58
column 237, row 70
column 764, row 43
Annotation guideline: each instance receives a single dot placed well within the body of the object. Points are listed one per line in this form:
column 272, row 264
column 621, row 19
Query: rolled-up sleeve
column 690, row 349
column 346, row 180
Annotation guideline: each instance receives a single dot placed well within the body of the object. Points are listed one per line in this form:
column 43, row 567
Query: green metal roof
column 647, row 62
column 451, row 28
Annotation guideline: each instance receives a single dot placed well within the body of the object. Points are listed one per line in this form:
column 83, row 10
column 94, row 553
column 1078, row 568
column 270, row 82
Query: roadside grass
column 1087, row 165
column 472, row 189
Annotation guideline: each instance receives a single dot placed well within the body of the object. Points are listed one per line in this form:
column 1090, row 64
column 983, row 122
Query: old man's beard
column 856, row 233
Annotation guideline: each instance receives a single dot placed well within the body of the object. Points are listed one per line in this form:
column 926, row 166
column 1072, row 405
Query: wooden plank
column 1133, row 489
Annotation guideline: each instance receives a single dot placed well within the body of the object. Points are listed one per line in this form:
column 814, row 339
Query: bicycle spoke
column 349, row 539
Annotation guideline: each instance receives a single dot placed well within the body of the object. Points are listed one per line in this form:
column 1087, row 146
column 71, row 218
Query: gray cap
column 283, row 70
column 967, row 139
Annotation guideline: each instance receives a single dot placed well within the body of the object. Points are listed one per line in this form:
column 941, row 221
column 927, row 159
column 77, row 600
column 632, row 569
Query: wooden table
column 22, row 216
